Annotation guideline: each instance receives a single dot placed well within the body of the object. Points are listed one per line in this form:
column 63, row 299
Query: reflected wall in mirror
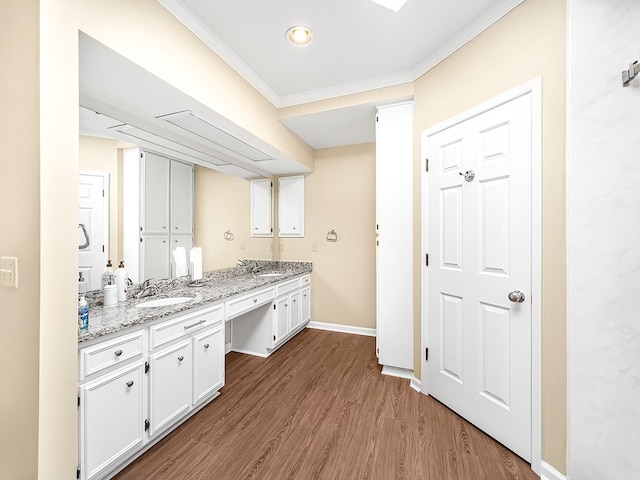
column 221, row 204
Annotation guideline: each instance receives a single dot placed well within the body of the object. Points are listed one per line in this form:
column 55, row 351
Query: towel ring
column 332, row 236
column 228, row 236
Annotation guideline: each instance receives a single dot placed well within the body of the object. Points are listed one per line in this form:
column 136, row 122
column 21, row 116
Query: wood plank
column 319, row 409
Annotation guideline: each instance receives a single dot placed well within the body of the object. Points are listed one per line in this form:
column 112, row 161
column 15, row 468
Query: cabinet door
column 281, row 319
column 394, row 223
column 208, row 363
column 170, row 385
column 305, row 305
column 291, row 206
column 111, row 419
column 185, row 241
column 155, row 205
column 181, row 198
column 155, row 257
column 294, row 311
column 261, row 208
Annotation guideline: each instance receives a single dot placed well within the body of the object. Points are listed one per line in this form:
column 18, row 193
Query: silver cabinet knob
column 206, row 345
column 180, row 358
column 516, row 296
column 117, row 353
column 130, row 383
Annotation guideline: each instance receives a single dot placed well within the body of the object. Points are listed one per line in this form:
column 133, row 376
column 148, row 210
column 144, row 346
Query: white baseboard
column 416, row 384
column 547, row 472
column 336, row 327
column 397, row 372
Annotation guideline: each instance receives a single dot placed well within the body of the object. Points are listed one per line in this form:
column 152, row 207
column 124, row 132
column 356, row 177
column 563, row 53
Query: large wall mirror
column 123, row 106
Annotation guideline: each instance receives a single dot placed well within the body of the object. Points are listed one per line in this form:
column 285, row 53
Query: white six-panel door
column 92, row 227
column 479, row 244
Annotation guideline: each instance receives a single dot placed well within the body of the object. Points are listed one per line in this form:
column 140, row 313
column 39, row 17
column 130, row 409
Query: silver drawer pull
column 255, row 300
column 206, row 345
column 180, row 358
column 130, row 383
column 117, row 353
column 199, row 322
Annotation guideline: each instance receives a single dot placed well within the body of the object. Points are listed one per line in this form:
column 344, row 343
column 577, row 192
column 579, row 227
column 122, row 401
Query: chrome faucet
column 148, row 289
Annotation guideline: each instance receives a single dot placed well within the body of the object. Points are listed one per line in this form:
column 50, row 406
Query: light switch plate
column 9, row 272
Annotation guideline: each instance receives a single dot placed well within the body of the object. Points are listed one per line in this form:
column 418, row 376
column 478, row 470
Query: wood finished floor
column 319, row 408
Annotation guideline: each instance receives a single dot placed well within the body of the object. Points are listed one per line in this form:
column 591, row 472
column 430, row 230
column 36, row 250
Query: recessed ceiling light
column 299, row 36
column 394, row 5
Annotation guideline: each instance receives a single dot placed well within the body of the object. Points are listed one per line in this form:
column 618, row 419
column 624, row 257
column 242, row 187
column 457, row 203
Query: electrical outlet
column 242, row 245
column 9, row 272
column 314, row 247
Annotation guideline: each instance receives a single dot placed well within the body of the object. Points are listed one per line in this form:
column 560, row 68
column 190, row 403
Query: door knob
column 516, row 296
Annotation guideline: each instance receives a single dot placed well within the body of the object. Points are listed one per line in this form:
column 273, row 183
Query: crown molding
column 478, row 26
column 193, row 23
column 347, row 89
column 187, row 18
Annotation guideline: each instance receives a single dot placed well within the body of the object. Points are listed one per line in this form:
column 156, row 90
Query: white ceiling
column 358, row 46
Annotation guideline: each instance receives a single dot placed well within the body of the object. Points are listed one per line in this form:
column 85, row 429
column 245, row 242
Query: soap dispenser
column 106, row 276
column 121, row 282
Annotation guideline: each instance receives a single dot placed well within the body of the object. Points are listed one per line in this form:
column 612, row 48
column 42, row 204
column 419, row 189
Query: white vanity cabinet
column 112, row 409
column 208, row 370
column 287, row 312
column 264, row 320
column 169, row 385
column 136, row 386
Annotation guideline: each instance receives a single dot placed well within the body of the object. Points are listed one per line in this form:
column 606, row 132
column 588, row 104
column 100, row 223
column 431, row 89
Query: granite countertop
column 218, row 286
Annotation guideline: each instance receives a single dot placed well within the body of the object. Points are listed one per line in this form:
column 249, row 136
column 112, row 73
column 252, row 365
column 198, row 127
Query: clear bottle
column 107, row 275
column 83, row 313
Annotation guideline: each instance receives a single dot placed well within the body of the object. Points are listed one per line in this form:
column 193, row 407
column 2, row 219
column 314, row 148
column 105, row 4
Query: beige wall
column 101, row 155
column 223, row 203
column 58, row 119
column 20, row 214
column 340, row 195
column 527, row 43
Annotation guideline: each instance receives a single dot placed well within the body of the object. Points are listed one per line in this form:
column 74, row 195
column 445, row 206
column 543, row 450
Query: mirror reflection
column 221, row 214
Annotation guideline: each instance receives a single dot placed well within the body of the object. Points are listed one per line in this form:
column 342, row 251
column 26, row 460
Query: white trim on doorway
column 533, row 87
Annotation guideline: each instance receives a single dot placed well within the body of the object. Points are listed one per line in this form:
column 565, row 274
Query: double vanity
column 149, row 363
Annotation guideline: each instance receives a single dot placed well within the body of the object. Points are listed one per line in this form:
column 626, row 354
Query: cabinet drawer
column 249, row 302
column 289, row 286
column 305, row 281
column 170, row 330
column 102, row 356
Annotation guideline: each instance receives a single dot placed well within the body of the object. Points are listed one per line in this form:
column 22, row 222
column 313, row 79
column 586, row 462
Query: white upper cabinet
column 181, row 198
column 155, row 218
column 291, row 206
column 158, row 197
column 261, row 222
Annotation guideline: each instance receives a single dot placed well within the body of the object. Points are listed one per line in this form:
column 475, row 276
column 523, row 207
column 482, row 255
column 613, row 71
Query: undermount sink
column 163, row 302
column 272, row 274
